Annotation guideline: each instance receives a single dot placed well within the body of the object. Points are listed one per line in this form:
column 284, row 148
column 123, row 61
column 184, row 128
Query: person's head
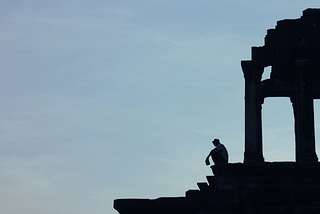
column 216, row 142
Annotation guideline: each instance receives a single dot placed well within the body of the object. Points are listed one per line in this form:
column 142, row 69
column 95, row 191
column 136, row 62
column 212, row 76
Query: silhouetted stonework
column 292, row 50
column 242, row 188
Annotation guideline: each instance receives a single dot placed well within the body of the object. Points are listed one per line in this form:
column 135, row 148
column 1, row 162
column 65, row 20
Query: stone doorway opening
column 278, row 129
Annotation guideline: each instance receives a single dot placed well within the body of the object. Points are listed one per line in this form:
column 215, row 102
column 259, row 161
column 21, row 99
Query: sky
column 103, row 100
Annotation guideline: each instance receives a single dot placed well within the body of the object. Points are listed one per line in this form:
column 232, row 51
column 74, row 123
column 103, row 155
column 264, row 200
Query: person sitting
column 219, row 154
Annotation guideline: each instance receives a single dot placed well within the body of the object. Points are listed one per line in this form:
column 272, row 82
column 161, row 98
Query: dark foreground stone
column 278, row 187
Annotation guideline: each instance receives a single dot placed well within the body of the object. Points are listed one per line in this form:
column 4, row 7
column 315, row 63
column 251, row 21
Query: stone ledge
column 278, row 187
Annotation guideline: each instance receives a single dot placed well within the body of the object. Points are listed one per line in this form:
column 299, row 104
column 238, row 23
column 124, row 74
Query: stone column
column 303, row 109
column 253, row 126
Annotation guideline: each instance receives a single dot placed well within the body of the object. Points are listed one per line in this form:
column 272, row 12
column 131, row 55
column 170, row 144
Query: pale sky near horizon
column 121, row 99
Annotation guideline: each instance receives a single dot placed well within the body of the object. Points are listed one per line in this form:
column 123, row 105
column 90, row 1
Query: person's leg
column 217, row 157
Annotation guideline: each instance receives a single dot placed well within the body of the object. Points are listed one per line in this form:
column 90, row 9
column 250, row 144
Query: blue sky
column 121, row 99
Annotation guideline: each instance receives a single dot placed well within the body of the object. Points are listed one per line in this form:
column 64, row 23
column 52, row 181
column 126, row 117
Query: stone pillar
column 303, row 109
column 253, row 126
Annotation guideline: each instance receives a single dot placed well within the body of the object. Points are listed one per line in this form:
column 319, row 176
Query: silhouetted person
column 218, row 154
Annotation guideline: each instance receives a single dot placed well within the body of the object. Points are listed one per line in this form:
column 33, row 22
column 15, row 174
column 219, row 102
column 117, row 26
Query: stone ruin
column 292, row 50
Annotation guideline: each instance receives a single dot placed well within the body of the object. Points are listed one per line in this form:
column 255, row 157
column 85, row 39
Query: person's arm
column 207, row 159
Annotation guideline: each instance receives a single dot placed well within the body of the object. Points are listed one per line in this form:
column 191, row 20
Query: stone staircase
column 278, row 187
